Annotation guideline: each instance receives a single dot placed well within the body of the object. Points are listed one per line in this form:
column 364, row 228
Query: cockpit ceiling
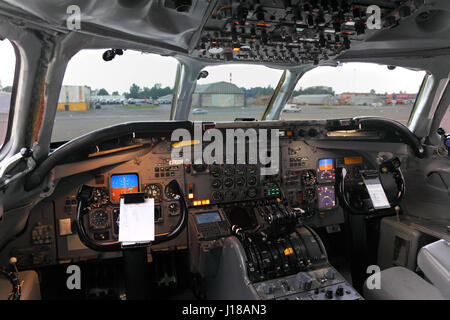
column 295, row 32
column 158, row 23
column 283, row 32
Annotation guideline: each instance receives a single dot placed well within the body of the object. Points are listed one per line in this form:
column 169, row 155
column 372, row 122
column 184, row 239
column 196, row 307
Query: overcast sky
column 7, row 63
column 88, row 68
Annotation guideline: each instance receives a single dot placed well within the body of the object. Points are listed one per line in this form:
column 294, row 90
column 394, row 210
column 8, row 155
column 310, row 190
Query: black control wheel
column 399, row 129
column 86, row 193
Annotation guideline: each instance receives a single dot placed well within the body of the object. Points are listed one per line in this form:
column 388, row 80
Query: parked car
column 199, row 111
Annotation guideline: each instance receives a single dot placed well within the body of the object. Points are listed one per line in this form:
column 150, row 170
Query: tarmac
column 71, row 124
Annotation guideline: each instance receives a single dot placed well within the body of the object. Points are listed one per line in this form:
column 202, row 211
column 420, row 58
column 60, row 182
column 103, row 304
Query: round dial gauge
column 251, row 181
column 216, row 184
column 217, row 196
column 228, row 183
column 99, row 218
column 309, row 178
column 99, row 198
column 240, row 181
column 309, row 195
column 252, row 192
column 170, row 194
column 173, row 208
column 153, row 190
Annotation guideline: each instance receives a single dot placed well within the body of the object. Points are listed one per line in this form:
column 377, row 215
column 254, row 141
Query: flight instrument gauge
column 252, row 192
column 99, row 219
column 252, row 180
column 153, row 190
column 170, row 194
column 326, row 197
column 309, row 178
column 325, row 171
column 99, row 198
column 174, row 209
column 216, row 184
column 309, row 195
column 240, row 182
column 217, row 196
column 228, row 182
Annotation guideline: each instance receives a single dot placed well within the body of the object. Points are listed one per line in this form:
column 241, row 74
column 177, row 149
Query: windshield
column 133, row 86
column 233, row 91
column 354, row 89
column 7, row 67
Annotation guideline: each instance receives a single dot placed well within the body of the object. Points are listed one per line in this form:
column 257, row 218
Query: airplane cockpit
column 288, row 150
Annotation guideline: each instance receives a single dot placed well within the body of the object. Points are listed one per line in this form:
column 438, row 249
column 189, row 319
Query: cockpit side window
column 7, row 71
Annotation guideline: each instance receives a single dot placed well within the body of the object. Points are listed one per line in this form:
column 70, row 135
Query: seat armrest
column 434, row 261
column 399, row 283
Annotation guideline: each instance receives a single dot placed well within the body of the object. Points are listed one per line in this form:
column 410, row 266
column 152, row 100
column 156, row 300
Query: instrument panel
column 306, row 179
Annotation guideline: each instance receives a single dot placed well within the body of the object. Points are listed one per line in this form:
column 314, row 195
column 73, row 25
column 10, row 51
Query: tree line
column 136, row 92
column 258, row 91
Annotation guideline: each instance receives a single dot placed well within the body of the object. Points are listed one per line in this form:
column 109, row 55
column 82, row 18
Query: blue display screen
column 325, row 164
column 123, row 183
column 206, row 217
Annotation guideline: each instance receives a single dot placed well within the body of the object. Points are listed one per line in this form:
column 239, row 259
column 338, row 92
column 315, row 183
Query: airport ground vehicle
column 292, row 108
column 306, row 224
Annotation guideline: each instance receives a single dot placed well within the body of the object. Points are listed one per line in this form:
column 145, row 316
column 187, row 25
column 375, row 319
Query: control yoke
column 85, row 194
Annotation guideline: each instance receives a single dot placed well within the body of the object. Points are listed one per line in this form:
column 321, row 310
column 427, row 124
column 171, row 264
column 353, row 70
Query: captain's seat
column 434, row 261
column 399, row 283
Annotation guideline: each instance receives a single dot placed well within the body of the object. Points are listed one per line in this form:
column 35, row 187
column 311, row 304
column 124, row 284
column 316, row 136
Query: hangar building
column 218, row 94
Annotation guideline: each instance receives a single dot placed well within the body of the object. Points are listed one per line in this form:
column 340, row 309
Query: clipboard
column 136, row 219
column 375, row 189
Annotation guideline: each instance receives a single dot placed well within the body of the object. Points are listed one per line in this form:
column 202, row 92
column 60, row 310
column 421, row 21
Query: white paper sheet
column 377, row 194
column 137, row 222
